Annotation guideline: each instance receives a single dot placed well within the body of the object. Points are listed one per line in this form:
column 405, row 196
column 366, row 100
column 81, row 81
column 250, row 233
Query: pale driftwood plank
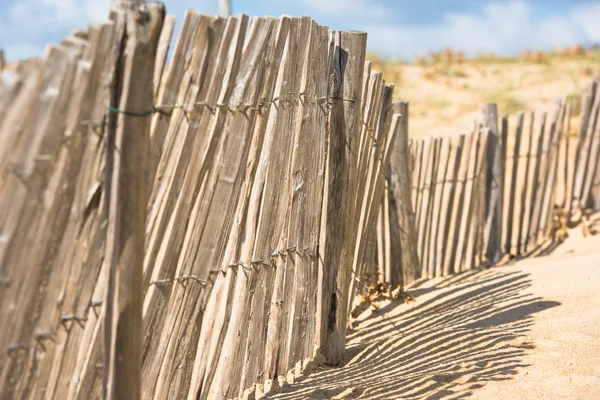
column 594, row 154
column 476, row 216
column 372, row 149
column 549, row 169
column 36, row 154
column 571, row 144
column 508, row 143
column 526, row 193
column 541, row 137
column 494, row 195
column 168, row 93
column 455, row 218
column 164, row 44
column 212, row 219
column 467, row 204
column 425, row 154
column 429, row 159
column 439, row 183
column 126, row 167
column 551, row 181
column 337, row 249
column 513, row 199
column 416, row 174
column 171, row 212
column 77, row 293
column 588, row 122
column 447, row 204
column 51, row 217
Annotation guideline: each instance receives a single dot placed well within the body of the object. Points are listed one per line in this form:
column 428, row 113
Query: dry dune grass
column 445, row 89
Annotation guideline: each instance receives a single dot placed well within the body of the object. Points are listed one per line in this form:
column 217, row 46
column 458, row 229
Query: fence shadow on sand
column 461, row 332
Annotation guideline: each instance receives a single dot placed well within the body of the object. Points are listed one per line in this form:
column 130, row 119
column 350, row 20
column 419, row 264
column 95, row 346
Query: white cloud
column 363, row 9
column 28, row 25
column 501, row 28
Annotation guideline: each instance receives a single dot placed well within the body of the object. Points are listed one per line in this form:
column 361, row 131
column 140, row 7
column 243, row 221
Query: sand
column 443, row 103
column 529, row 330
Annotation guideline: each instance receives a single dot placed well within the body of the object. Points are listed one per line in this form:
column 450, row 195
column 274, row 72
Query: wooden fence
column 267, row 142
column 549, row 177
column 199, row 228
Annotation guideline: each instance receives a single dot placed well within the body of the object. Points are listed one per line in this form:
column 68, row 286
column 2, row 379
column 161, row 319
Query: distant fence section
column 549, row 179
column 267, row 141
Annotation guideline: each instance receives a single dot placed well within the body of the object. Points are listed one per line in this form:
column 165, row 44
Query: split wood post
column 127, row 194
column 2, row 61
column 494, row 189
column 405, row 264
column 338, row 222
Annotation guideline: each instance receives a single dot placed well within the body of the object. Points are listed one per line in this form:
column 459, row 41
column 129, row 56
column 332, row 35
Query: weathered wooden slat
column 372, row 149
column 416, row 175
column 162, row 51
column 447, row 205
column 468, row 204
column 551, row 181
column 548, row 170
column 526, row 195
column 168, row 95
column 440, row 186
column 514, row 188
column 594, row 154
column 570, row 156
column 166, row 245
column 53, row 216
column 216, row 202
column 531, row 226
column 591, row 107
column 455, row 217
column 476, row 217
column 429, row 154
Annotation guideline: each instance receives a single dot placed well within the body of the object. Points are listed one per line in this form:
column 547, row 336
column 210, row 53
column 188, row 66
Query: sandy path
column 526, row 331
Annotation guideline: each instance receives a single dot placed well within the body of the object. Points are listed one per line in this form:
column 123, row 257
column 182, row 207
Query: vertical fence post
column 339, row 213
column 494, row 186
column 406, row 267
column 127, row 196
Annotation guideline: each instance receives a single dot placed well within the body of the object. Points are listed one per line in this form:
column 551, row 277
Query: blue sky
column 397, row 28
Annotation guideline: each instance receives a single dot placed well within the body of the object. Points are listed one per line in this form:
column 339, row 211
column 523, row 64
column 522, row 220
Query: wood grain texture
column 338, row 222
column 127, row 195
column 494, row 190
column 405, row 267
